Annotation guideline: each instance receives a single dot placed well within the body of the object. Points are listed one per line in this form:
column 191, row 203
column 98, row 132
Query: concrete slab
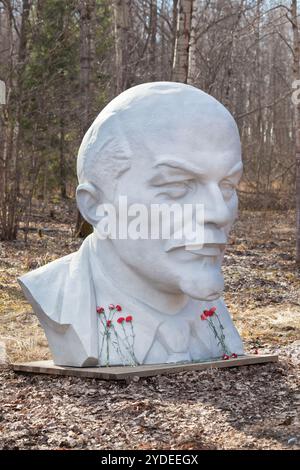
column 127, row 372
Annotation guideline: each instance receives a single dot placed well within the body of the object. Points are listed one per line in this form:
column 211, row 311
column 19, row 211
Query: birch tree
column 121, row 10
column 153, row 33
column 192, row 67
column 182, row 42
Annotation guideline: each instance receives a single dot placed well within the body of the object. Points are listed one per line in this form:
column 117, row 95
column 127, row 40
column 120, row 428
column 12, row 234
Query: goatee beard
column 205, row 288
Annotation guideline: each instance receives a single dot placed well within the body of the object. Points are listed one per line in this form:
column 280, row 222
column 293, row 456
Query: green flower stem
column 221, row 326
column 117, row 346
column 221, row 336
column 107, row 335
column 133, row 341
column 107, row 347
column 105, row 331
column 102, row 344
column 129, row 347
column 111, row 314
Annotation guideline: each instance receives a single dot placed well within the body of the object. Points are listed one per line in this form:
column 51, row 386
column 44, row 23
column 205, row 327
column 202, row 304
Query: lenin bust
column 138, row 299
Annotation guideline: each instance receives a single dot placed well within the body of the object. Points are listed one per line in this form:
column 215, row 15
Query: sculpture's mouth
column 209, row 249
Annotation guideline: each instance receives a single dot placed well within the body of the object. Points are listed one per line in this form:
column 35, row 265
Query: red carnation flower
column 118, row 308
column 234, row 355
column 108, row 323
column 206, row 313
column 203, row 316
column 225, row 357
column 100, row 310
column 210, row 312
column 111, row 306
column 120, row 320
column 129, row 318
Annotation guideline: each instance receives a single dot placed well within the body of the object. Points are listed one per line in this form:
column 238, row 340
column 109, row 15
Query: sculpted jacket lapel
column 63, row 298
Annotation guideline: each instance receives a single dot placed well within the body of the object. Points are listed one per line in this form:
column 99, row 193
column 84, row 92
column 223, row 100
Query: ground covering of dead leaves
column 254, row 407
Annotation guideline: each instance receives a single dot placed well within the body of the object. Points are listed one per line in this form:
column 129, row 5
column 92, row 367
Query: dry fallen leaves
column 254, row 407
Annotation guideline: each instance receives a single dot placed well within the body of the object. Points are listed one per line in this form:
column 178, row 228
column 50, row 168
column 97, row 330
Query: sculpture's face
column 187, row 165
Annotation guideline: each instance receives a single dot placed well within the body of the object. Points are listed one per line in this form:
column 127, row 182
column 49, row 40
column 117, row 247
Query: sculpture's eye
column 176, row 190
column 228, row 189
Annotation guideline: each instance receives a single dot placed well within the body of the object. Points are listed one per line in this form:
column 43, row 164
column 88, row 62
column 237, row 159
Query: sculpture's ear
column 88, row 199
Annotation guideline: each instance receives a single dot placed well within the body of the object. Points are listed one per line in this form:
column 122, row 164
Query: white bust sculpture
column 155, row 143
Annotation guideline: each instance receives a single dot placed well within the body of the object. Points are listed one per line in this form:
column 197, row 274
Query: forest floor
column 251, row 407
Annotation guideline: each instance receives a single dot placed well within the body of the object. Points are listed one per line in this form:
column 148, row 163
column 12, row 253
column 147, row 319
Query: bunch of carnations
column 111, row 337
column 218, row 330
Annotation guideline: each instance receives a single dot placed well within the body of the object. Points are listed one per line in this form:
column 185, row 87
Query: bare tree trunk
column 121, row 23
column 258, row 123
column 153, row 32
column 192, row 67
column 10, row 169
column 234, row 36
column 87, row 56
column 182, row 43
column 296, row 70
column 174, row 29
column 164, row 57
column 62, row 157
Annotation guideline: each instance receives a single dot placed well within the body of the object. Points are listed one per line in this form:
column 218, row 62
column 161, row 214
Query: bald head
column 157, row 144
column 145, row 119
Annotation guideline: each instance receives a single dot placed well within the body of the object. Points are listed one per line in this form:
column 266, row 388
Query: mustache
column 210, row 249
column 213, row 238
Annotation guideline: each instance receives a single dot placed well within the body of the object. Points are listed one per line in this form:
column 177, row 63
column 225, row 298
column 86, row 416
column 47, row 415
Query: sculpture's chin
column 203, row 289
column 212, row 296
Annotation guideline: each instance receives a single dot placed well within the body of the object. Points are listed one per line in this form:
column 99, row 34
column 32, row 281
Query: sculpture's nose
column 216, row 211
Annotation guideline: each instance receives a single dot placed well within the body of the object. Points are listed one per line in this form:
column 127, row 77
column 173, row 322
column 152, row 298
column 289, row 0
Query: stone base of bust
column 131, row 373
